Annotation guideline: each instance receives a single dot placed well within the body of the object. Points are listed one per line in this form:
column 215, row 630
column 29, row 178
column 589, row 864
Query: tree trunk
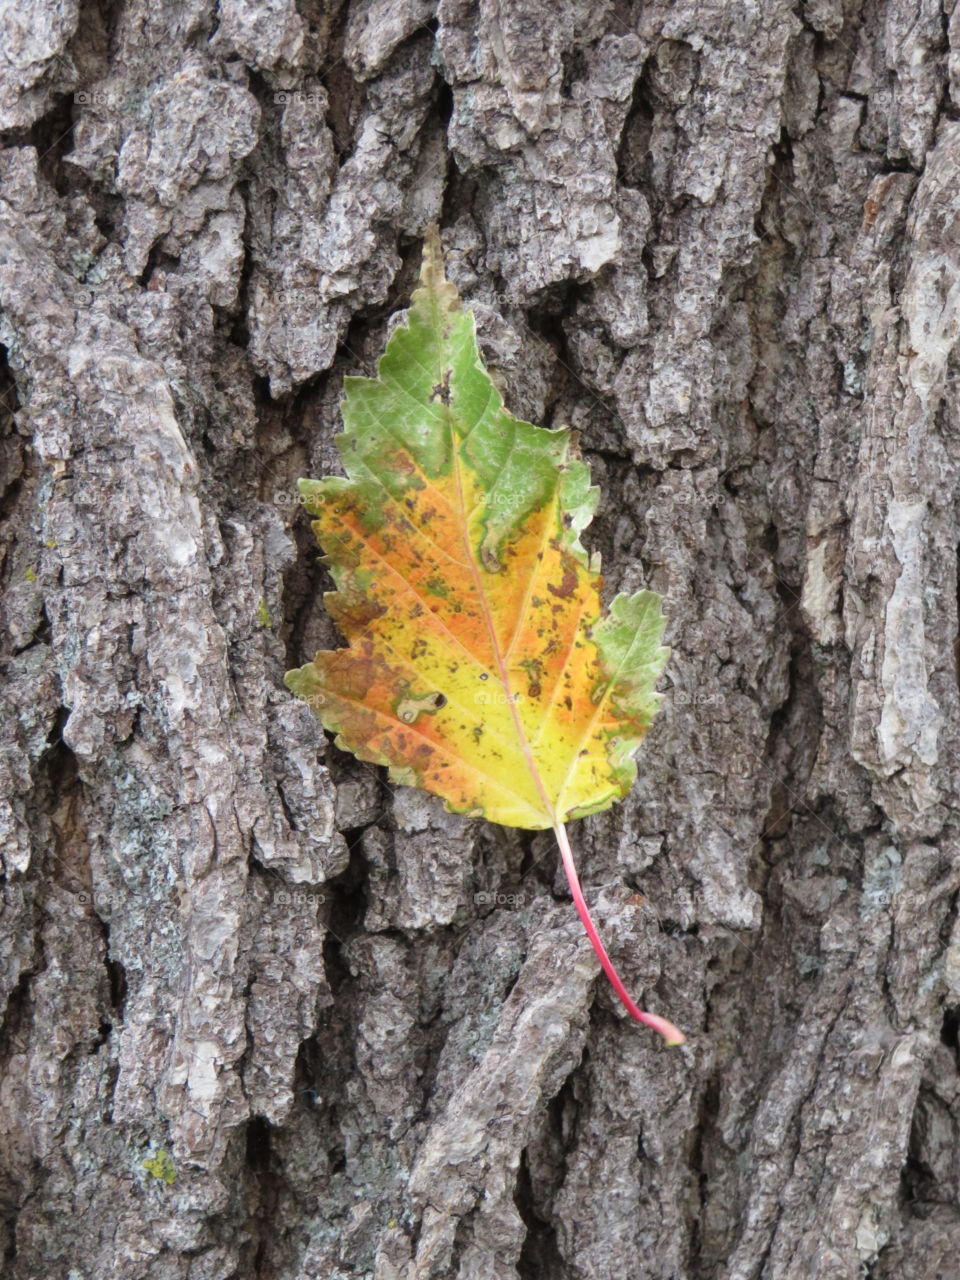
column 265, row 1015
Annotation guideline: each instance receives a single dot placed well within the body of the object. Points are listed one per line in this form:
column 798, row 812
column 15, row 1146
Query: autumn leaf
column 481, row 666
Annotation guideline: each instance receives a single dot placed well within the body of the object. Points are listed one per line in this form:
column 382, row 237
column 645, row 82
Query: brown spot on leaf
column 441, row 390
column 569, row 584
column 354, row 616
column 490, row 561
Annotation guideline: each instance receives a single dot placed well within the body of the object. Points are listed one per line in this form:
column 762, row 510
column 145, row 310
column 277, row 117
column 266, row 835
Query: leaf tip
column 432, row 248
column 433, row 281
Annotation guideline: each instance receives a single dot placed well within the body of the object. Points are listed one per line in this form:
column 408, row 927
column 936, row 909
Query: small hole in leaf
column 440, row 701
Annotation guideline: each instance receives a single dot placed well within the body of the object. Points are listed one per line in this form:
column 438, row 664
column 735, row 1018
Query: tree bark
column 265, row 1015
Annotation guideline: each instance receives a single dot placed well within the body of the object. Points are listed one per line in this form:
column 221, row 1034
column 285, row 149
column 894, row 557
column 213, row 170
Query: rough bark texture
column 256, row 1021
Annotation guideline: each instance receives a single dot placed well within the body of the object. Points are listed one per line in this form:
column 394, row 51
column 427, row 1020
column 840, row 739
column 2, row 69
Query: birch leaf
column 481, row 665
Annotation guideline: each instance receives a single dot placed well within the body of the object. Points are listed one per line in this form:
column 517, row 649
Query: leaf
column 480, row 665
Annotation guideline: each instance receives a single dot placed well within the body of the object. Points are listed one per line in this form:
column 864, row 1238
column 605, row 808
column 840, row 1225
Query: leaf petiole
column 670, row 1033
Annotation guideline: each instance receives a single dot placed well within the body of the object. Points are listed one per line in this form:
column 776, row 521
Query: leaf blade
column 454, row 543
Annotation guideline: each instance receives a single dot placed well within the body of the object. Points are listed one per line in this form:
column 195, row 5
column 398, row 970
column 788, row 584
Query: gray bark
column 256, row 1022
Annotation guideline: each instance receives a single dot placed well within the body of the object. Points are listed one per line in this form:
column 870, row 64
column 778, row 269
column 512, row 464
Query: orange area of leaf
column 509, row 652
